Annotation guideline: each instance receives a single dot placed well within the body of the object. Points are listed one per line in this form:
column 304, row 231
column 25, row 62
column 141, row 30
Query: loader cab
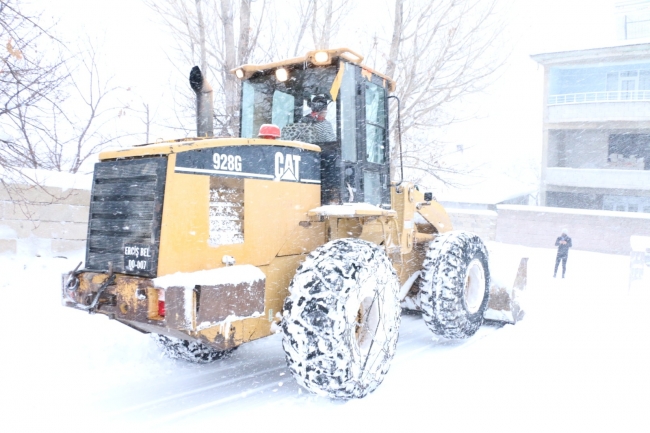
column 353, row 135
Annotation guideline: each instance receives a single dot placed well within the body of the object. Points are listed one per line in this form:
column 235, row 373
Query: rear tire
column 455, row 284
column 191, row 351
column 341, row 320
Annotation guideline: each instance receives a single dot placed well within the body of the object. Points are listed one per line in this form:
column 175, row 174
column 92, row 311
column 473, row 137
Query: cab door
column 374, row 163
column 364, row 138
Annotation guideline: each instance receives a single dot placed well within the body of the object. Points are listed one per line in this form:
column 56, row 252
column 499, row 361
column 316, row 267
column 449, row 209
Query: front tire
column 191, row 351
column 341, row 320
column 455, row 284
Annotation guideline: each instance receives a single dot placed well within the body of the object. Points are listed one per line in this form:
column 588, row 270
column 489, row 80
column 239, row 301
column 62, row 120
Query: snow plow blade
column 505, row 299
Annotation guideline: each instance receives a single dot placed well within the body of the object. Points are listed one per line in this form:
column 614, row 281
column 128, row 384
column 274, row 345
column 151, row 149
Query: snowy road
column 579, row 361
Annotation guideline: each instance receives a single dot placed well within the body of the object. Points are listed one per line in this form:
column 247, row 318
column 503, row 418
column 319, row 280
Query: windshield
column 303, row 106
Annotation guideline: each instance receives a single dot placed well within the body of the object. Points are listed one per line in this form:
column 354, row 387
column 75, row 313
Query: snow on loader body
column 209, row 243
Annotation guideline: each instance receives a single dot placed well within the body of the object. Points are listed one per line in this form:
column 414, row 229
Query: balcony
column 599, row 106
column 582, row 98
column 598, row 178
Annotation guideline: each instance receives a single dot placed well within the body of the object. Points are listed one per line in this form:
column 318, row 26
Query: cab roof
column 333, row 53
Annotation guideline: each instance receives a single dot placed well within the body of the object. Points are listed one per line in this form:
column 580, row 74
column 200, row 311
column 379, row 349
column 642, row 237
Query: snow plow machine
column 294, row 227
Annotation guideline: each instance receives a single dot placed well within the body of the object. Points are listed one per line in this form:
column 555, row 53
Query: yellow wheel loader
column 294, row 227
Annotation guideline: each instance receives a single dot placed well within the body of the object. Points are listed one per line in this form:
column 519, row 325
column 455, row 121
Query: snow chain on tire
column 192, row 351
column 445, row 283
column 341, row 319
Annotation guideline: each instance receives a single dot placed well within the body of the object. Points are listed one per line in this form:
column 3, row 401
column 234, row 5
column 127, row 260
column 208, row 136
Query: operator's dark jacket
column 563, row 250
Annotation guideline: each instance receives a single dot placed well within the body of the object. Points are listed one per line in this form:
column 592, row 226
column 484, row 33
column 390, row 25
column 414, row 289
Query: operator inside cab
column 301, row 104
column 322, row 128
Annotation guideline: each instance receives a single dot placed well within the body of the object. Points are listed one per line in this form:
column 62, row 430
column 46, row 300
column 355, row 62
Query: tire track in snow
column 417, row 338
column 193, row 410
column 435, row 345
column 183, row 394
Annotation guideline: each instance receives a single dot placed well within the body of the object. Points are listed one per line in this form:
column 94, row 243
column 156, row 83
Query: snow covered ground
column 579, row 361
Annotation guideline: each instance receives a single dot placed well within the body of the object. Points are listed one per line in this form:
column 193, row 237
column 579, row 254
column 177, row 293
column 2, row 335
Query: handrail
column 591, row 97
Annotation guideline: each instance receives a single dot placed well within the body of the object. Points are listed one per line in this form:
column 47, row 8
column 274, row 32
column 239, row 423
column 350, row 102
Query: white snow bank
column 228, row 275
column 638, row 243
column 346, row 209
column 47, row 178
column 7, row 232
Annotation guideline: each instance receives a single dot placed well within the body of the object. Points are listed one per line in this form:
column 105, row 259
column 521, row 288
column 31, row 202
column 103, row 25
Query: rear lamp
column 161, row 303
column 281, row 74
column 239, row 73
column 321, row 57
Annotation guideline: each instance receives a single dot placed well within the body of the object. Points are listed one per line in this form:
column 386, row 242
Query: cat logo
column 287, row 167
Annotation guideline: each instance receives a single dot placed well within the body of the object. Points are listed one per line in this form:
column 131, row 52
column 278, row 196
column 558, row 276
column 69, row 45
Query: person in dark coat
column 323, row 130
column 563, row 243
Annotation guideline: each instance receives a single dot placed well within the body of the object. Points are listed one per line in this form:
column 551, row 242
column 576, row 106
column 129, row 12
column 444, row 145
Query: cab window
column 375, row 123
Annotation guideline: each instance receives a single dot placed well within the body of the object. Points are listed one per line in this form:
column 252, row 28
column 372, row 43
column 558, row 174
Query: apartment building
column 596, row 143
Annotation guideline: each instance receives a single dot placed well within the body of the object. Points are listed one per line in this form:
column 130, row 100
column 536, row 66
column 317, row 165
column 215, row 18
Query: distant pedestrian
column 563, row 243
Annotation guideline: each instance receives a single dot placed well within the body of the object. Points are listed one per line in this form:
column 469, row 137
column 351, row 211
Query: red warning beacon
column 269, row 131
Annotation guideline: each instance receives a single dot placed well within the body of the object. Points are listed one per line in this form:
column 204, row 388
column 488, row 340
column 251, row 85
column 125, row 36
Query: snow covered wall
column 48, row 220
column 481, row 222
column 591, row 230
column 535, row 226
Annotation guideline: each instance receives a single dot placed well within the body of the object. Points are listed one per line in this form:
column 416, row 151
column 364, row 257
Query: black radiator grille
column 125, row 209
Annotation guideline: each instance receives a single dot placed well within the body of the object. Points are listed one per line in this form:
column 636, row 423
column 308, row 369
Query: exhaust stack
column 204, row 103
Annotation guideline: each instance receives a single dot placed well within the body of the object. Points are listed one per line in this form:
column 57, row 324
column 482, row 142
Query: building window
column 623, row 203
column 628, row 81
column 629, row 151
column 611, row 83
column 574, row 200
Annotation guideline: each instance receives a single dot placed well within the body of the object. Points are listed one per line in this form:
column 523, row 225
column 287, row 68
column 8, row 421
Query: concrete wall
column 594, row 178
column 533, row 226
column 45, row 221
column 481, row 222
column 599, row 231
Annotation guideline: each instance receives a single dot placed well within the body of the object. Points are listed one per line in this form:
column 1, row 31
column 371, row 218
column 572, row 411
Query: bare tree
column 321, row 32
column 27, row 79
column 55, row 112
column 63, row 129
column 304, row 12
column 439, row 51
column 230, row 39
column 327, row 18
column 145, row 116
